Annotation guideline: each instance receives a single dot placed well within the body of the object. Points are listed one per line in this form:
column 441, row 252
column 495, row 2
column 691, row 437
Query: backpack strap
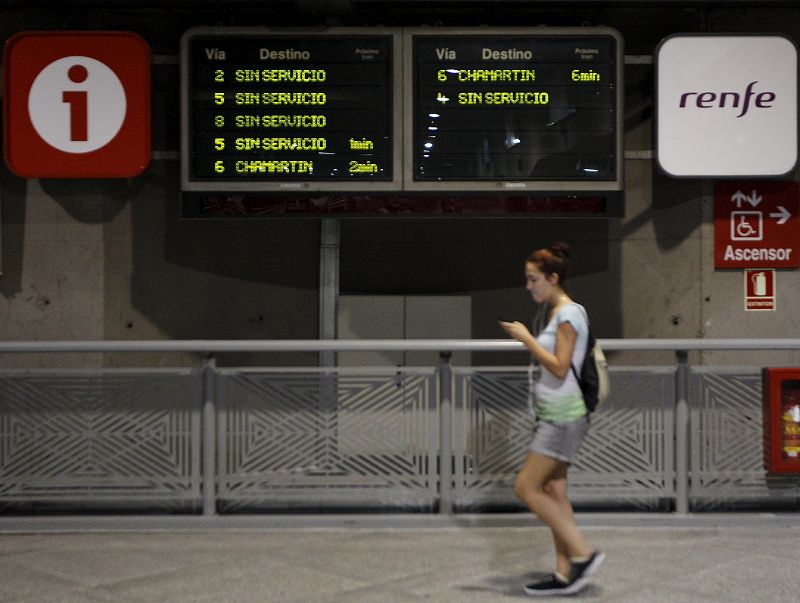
column 575, row 372
column 589, row 342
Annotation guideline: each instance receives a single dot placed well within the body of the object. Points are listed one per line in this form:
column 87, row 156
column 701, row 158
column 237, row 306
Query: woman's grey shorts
column 559, row 440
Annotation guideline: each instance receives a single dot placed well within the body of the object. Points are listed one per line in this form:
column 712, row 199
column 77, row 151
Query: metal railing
column 442, row 467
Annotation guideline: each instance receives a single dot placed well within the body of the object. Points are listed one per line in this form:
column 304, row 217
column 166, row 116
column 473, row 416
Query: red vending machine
column 781, row 394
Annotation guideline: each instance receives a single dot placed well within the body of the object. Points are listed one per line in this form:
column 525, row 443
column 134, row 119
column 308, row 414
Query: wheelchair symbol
column 747, row 226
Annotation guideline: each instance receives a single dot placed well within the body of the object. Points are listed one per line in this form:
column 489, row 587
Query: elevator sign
column 77, row 104
column 756, row 225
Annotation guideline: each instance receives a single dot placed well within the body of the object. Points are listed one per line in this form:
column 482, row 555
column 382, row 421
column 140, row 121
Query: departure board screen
column 515, row 109
column 268, row 110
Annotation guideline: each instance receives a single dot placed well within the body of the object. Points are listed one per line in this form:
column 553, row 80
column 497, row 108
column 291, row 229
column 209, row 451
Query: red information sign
column 756, row 225
column 77, row 104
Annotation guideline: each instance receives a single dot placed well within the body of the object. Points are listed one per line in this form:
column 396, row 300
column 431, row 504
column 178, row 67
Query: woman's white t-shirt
column 561, row 399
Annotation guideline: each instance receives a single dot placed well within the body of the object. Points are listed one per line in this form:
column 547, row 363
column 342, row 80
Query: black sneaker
column 584, row 569
column 554, row 586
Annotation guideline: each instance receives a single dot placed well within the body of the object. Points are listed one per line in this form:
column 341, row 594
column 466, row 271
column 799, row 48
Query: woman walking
column 561, row 419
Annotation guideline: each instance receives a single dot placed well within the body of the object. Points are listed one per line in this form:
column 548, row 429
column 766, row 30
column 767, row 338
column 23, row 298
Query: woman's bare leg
column 550, row 503
column 557, row 489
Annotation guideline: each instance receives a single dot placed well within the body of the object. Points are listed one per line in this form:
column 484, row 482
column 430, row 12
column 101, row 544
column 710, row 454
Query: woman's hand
column 516, row 330
column 559, row 363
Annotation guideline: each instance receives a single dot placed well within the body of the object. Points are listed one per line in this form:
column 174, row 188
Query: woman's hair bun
column 560, row 249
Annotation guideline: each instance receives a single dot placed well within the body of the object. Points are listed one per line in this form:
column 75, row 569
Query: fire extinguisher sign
column 759, row 290
column 77, row 104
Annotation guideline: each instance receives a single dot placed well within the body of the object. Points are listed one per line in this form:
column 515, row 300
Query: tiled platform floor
column 686, row 561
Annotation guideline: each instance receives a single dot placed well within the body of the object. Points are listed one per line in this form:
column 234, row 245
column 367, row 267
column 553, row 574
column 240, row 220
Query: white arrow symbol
column 782, row 213
column 737, row 198
column 754, row 199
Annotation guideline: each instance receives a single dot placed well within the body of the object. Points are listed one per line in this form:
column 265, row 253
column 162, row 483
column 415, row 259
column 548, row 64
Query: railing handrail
column 209, row 346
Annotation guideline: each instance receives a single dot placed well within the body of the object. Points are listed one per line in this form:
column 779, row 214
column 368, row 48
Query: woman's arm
column 559, row 363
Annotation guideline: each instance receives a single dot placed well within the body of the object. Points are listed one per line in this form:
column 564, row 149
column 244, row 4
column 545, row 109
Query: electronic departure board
column 281, row 110
column 507, row 109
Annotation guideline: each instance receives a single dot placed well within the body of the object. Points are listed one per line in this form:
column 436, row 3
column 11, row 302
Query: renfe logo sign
column 726, row 106
column 707, row 100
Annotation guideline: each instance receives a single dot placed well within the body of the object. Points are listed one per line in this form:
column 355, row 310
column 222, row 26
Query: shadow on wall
column 483, row 258
column 237, row 279
column 460, row 255
column 12, row 216
column 677, row 209
column 675, row 212
column 92, row 201
column 220, row 279
column 85, row 201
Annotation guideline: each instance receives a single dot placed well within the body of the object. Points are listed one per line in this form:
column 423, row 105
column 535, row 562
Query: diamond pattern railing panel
column 315, row 439
column 627, row 458
column 727, row 458
column 88, row 436
column 318, row 439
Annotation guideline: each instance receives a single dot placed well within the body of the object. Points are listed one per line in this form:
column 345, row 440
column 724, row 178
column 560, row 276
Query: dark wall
column 257, row 278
